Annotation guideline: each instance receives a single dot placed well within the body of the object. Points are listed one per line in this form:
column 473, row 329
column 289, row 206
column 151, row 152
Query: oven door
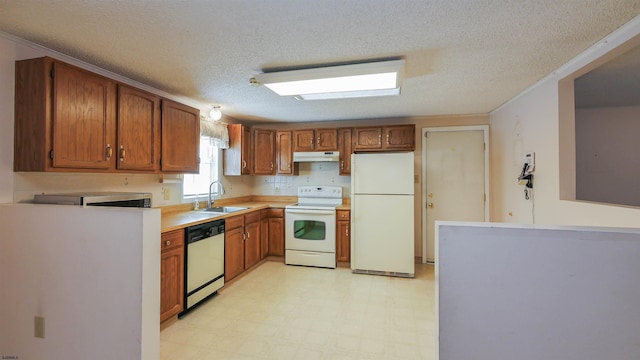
column 310, row 230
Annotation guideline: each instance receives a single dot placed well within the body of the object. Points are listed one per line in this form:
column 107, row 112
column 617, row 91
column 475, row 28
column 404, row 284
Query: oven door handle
column 315, row 212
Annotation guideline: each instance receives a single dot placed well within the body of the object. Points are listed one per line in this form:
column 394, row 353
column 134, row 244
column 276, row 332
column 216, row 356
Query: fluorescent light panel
column 334, row 82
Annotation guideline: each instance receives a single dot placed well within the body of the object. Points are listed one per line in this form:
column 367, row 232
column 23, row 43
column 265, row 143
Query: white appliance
column 204, row 262
column 310, row 227
column 382, row 229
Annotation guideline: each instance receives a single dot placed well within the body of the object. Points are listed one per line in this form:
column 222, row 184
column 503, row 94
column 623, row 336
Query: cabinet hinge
column 160, row 162
column 51, row 154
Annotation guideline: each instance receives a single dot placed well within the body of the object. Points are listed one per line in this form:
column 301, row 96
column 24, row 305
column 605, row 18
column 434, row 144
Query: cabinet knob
column 244, row 164
column 430, row 205
column 168, row 242
column 342, row 165
column 272, row 165
column 346, row 230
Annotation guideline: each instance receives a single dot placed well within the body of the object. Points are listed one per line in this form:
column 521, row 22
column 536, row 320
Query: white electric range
column 310, row 227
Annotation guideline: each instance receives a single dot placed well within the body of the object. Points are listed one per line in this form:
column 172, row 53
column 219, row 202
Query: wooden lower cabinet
column 233, row 251
column 264, row 233
column 276, row 232
column 241, row 243
column 171, row 274
column 343, row 235
column 252, row 240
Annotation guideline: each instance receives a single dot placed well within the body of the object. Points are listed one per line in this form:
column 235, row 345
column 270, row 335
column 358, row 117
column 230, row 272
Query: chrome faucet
column 219, row 193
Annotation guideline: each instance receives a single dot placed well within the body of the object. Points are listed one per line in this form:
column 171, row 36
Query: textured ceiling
column 462, row 56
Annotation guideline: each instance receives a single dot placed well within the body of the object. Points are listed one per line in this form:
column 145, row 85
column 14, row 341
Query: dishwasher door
column 204, row 265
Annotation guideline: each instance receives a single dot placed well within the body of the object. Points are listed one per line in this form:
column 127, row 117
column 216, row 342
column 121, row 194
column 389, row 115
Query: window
column 198, row 184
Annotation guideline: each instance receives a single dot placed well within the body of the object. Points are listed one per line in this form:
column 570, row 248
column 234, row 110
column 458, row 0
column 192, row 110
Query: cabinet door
column 246, row 159
column 303, row 140
column 326, row 139
column 344, row 147
column 343, row 241
column 233, row 253
column 367, row 138
column 237, row 156
column 138, row 124
column 252, row 239
column 180, row 137
column 171, row 282
column 83, row 119
column 264, row 234
column 284, row 153
column 264, row 152
column 276, row 236
column 400, row 137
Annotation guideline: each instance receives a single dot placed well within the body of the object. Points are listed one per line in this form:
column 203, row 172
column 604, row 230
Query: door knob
column 430, row 205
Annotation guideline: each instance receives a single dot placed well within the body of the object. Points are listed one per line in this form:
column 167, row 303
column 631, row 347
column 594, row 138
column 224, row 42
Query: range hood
column 314, row 156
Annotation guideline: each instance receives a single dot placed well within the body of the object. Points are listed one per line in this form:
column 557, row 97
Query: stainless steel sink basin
column 224, row 209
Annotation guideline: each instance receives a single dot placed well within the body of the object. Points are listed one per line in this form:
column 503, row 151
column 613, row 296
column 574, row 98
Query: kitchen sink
column 224, row 209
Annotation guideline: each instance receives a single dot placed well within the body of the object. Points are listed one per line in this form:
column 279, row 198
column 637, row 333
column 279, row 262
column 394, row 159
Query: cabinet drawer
column 252, row 217
column 172, row 239
column 275, row 213
column 233, row 222
column 343, row 214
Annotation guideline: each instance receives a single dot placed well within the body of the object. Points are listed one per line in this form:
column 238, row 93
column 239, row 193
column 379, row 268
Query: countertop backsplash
column 27, row 184
column 314, row 173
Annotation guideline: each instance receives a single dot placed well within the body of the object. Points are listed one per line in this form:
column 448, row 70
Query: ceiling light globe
column 215, row 114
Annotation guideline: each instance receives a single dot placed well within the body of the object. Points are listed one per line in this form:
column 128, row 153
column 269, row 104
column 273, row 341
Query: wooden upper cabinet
column 284, row 154
column 138, row 145
column 400, row 137
column 303, row 140
column 264, row 152
column 70, row 119
column 180, row 137
column 345, row 149
column 367, row 138
column 315, row 140
column 326, row 139
column 390, row 138
column 83, row 119
column 64, row 118
column 237, row 158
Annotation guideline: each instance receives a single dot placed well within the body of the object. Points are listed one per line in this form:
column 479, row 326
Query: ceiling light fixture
column 215, row 114
column 382, row 78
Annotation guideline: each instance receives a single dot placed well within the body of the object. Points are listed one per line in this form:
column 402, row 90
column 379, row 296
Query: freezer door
column 382, row 233
column 387, row 173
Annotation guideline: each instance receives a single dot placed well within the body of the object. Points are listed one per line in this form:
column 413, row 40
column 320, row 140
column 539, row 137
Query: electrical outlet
column 167, row 194
column 38, row 325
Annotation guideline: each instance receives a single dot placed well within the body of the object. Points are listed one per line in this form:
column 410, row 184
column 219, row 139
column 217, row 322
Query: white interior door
column 455, row 179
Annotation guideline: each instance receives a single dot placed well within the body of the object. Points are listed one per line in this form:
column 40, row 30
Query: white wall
column 532, row 122
column 528, row 293
column 96, row 284
column 607, row 152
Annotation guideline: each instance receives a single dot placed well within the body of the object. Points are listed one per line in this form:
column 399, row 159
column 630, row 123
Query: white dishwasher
column 204, row 262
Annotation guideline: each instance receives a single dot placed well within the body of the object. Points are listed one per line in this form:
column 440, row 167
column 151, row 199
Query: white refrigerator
column 382, row 229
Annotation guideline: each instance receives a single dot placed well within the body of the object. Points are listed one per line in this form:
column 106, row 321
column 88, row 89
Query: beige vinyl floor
column 291, row 312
